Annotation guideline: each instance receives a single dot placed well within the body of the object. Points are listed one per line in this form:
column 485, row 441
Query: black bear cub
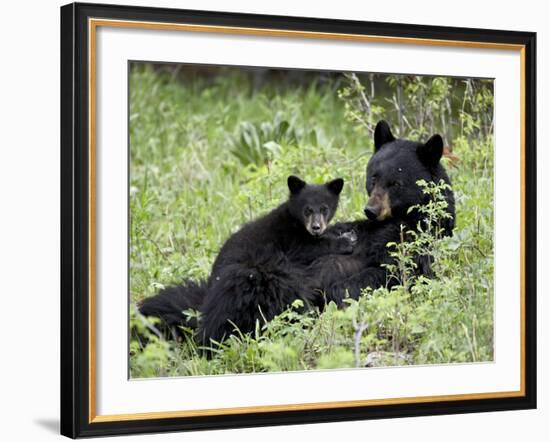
column 261, row 268
column 391, row 183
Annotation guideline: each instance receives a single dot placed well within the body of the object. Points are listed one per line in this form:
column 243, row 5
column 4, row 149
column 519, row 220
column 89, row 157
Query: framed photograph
column 279, row 220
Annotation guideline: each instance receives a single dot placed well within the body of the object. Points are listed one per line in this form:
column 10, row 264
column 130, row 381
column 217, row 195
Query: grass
column 210, row 152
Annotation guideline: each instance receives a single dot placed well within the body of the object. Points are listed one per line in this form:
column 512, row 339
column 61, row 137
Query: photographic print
column 281, row 220
column 293, row 220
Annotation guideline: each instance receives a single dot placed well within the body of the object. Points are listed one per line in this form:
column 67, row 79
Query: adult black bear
column 260, row 269
column 392, row 175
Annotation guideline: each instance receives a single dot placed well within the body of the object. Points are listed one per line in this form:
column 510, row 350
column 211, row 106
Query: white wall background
column 29, row 220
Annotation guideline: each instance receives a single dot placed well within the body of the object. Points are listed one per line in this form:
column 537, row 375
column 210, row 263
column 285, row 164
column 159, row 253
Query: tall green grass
column 210, row 152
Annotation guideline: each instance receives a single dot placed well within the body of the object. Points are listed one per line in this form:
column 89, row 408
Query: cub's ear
column 430, row 152
column 335, row 186
column 382, row 135
column 295, row 184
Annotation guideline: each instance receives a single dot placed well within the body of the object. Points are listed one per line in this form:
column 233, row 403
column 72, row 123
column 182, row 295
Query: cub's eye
column 394, row 184
column 308, row 211
column 324, row 210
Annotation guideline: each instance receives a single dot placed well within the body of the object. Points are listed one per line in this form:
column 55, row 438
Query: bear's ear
column 430, row 152
column 295, row 184
column 335, row 186
column 382, row 135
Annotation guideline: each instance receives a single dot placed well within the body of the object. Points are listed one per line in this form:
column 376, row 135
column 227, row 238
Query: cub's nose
column 316, row 227
column 371, row 212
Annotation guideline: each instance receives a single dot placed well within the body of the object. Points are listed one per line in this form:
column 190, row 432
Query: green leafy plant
column 259, row 143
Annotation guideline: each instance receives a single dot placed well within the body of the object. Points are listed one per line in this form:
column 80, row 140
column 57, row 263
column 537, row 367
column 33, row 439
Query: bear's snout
column 372, row 212
column 316, row 224
column 379, row 206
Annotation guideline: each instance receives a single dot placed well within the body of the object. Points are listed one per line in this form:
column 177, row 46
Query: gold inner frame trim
column 93, row 24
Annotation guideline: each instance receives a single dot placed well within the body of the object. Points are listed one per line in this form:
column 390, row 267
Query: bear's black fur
column 391, row 183
column 260, row 269
column 170, row 303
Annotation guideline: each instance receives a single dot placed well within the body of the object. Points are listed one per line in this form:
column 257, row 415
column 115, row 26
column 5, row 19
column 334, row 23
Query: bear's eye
column 308, row 211
column 324, row 210
column 394, row 184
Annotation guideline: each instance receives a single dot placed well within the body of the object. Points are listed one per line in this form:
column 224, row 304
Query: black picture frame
column 75, row 220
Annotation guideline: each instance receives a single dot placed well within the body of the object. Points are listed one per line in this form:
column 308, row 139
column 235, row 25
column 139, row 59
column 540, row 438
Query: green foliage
column 149, row 352
column 209, row 153
column 359, row 106
column 420, row 106
column 258, row 143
